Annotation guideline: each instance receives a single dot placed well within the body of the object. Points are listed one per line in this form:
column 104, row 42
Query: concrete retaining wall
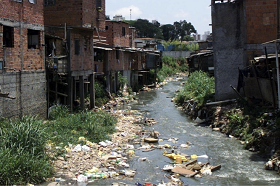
column 176, row 54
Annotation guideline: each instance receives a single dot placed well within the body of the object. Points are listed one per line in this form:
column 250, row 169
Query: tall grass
column 22, row 145
column 171, row 66
column 199, row 87
column 94, row 126
column 23, row 155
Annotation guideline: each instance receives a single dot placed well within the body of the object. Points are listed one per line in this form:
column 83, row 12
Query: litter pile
column 87, row 161
column 190, row 169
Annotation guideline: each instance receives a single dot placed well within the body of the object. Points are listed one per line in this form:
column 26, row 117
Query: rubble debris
column 89, row 161
column 150, row 140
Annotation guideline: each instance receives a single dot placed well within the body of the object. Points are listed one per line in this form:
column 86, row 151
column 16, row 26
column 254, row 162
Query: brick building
column 116, row 53
column 72, row 25
column 22, row 66
column 240, row 28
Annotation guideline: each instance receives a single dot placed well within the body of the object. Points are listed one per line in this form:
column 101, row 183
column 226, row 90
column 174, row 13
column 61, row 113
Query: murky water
column 239, row 166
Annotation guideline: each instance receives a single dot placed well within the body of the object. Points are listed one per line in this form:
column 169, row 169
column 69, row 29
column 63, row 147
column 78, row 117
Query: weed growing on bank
column 94, row 126
column 257, row 127
column 28, row 145
column 171, row 66
column 199, row 87
column 22, row 152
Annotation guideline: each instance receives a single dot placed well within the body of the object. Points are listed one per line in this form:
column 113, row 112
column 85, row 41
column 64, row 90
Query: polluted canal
column 238, row 166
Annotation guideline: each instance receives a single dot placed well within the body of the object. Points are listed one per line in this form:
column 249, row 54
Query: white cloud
column 182, row 14
column 125, row 12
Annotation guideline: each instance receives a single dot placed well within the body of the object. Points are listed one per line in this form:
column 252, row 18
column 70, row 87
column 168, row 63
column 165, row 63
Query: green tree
column 146, row 29
column 188, row 38
column 168, row 32
column 183, row 28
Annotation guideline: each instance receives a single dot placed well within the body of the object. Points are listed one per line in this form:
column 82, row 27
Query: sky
column 197, row 12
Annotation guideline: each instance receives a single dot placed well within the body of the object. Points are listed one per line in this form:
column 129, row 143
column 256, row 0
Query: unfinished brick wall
column 23, row 75
column 64, row 11
column 261, row 18
column 84, row 60
column 100, row 16
column 82, row 13
column 22, row 11
column 114, row 34
column 118, row 64
column 22, row 17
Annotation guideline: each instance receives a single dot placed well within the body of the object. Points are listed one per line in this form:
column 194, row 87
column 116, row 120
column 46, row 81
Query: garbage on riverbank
column 88, row 161
column 191, row 168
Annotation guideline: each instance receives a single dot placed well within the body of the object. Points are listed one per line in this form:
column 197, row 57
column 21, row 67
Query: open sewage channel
column 238, row 166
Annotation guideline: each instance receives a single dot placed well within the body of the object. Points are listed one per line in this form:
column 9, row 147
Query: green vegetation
column 28, row 144
column 252, row 124
column 23, row 158
column 100, row 94
column 171, row 66
column 94, row 126
column 179, row 46
column 169, row 32
column 199, row 87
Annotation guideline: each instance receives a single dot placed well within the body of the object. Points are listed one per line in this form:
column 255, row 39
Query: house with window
column 116, row 54
column 70, row 27
column 22, row 53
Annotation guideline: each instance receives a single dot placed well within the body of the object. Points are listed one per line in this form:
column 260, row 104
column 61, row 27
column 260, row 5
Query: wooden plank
column 214, row 168
column 191, row 162
column 182, row 171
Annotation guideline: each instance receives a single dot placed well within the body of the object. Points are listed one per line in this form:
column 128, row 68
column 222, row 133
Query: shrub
column 199, row 87
column 171, row 66
column 58, row 111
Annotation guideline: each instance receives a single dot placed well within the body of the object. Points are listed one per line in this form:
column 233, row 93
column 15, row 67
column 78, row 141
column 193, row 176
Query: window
column 98, row 4
column 1, row 65
column 33, row 38
column 77, row 47
column 49, row 2
column 8, row 36
column 117, row 54
column 106, row 27
column 123, row 31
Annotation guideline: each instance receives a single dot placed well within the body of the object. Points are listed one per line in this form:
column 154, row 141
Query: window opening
column 33, row 38
column 106, row 27
column 117, row 54
column 123, row 31
column 8, row 36
column 98, row 4
column 49, row 2
column 77, row 46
